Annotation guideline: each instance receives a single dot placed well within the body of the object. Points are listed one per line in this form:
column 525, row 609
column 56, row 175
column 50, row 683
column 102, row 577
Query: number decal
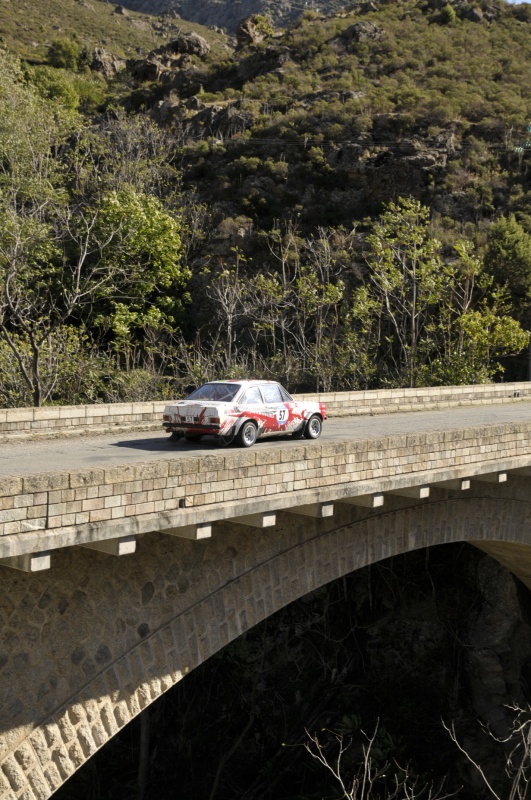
column 282, row 415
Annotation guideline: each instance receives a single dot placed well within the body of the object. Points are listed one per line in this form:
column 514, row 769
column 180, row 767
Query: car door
column 276, row 409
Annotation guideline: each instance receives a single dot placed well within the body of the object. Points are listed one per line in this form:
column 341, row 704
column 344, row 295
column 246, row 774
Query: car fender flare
column 238, row 424
column 308, row 414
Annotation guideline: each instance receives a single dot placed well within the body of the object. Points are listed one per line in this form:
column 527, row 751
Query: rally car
column 242, row 412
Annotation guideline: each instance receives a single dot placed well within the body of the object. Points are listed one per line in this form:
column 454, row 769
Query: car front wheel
column 313, row 427
column 247, row 434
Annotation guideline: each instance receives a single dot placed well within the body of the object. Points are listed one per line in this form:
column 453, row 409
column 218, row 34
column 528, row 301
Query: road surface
column 46, row 455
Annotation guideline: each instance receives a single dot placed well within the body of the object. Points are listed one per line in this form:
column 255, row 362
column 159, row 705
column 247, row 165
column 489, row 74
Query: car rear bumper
column 179, row 427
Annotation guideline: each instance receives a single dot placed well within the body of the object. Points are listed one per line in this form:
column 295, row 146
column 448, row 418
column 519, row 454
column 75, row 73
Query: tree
column 368, row 779
column 407, row 276
column 61, row 262
column 508, row 259
column 517, row 749
column 433, row 320
column 70, row 252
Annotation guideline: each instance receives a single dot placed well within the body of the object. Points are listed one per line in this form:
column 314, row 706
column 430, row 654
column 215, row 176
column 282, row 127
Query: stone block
column 153, row 469
column 10, row 486
column 39, row 785
column 119, row 473
column 46, row 482
column 86, row 741
column 86, row 477
column 100, row 514
column 53, row 777
column 61, row 759
column 16, row 415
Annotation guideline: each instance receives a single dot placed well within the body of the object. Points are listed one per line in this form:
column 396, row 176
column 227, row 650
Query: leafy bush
column 64, row 53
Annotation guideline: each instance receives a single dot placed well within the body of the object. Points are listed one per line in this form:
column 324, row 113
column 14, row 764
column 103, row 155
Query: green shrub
column 64, row 53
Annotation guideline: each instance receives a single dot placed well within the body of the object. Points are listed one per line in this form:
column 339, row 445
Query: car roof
column 246, row 381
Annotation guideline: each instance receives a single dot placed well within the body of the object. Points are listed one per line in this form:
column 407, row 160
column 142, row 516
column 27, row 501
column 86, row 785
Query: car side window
column 272, row 394
column 285, row 396
column 252, row 397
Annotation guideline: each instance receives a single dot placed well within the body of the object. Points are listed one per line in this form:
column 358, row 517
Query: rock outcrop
column 106, row 63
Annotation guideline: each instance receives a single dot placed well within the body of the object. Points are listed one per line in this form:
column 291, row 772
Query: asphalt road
column 29, row 457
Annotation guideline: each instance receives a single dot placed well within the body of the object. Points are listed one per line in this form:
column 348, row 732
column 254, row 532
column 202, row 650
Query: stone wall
column 90, row 643
column 69, row 420
column 50, row 510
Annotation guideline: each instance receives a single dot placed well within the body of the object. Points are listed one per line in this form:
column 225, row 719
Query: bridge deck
column 104, row 491
column 78, row 452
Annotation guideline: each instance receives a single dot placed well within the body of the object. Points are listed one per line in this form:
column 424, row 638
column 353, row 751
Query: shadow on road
column 209, row 444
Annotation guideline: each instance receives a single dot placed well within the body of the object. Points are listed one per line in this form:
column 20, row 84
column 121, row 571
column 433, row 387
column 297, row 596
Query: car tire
column 193, row 437
column 313, row 428
column 175, row 436
column 247, row 434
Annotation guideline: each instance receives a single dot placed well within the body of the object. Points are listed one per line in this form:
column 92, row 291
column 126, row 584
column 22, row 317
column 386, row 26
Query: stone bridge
column 210, row 546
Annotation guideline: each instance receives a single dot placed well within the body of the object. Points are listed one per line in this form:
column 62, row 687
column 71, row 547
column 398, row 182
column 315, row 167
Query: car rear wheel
column 193, row 437
column 175, row 436
column 247, row 434
column 313, row 427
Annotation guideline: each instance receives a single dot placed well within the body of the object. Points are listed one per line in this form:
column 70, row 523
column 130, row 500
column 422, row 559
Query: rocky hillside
column 343, row 112
column 28, row 28
column 228, row 14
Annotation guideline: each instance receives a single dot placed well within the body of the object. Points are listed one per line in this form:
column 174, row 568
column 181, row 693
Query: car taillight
column 214, row 420
column 166, row 418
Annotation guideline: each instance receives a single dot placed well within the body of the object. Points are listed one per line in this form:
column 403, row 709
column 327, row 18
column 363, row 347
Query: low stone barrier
column 49, row 421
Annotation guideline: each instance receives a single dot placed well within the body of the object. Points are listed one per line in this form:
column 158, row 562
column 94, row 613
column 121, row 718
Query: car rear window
column 216, row 391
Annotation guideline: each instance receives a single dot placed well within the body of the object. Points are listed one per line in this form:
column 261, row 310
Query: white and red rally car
column 242, row 411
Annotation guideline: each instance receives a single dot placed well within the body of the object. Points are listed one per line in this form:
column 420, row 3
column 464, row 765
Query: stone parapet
column 49, row 421
column 51, row 510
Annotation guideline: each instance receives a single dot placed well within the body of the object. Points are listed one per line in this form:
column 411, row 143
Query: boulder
column 249, row 31
column 362, row 32
column 221, row 121
column 106, row 63
column 474, row 14
column 146, row 69
column 189, row 43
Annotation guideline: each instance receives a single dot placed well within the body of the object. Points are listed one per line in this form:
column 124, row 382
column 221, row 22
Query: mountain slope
column 27, row 28
column 339, row 114
column 228, row 13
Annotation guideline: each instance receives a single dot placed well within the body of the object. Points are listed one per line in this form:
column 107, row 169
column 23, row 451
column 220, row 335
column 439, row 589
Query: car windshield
column 216, row 391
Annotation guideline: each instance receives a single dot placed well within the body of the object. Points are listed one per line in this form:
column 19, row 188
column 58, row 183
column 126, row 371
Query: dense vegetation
column 343, row 204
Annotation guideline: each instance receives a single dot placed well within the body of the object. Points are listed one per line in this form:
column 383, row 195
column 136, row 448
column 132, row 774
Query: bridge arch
column 95, row 640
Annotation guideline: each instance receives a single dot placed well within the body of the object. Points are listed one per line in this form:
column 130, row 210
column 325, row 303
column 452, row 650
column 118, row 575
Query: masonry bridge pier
column 117, row 581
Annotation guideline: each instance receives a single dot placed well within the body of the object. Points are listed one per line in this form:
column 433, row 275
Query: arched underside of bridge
column 95, row 640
